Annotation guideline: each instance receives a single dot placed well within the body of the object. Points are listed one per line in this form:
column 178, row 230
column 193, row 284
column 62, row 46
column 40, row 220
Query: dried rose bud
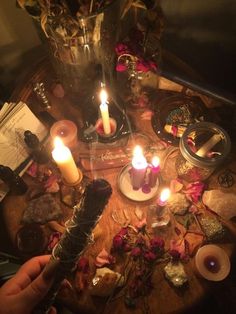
column 83, row 265
column 140, row 241
column 175, row 254
column 136, row 252
column 157, row 244
column 149, row 256
column 123, row 232
column 118, row 242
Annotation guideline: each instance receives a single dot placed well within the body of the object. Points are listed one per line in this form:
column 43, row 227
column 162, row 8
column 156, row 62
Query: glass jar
column 83, row 47
column 203, row 147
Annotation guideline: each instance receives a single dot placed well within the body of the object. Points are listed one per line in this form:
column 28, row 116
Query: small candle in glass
column 66, row 130
column 154, row 170
column 139, row 168
column 158, row 216
column 65, row 162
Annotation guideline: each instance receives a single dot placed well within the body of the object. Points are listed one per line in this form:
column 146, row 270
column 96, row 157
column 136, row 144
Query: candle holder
column 126, row 188
column 66, row 130
column 76, row 182
column 91, row 132
column 212, row 263
column 70, row 194
column 100, row 130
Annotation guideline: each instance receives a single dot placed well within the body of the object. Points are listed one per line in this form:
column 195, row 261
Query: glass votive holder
column 157, row 216
column 66, row 130
column 203, row 147
column 100, row 130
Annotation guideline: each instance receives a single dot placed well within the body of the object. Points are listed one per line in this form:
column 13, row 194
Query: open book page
column 12, row 146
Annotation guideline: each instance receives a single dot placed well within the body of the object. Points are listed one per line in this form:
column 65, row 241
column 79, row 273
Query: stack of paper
column 15, row 119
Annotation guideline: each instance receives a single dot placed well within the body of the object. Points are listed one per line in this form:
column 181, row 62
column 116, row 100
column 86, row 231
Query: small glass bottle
column 15, row 183
column 203, row 147
column 38, row 152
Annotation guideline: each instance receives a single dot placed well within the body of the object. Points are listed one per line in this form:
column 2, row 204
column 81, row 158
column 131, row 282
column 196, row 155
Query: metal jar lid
column 205, row 144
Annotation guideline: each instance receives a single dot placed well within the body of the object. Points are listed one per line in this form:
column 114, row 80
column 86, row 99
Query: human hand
column 28, row 287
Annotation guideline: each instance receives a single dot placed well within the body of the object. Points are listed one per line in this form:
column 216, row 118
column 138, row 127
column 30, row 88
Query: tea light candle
column 66, row 130
column 139, row 168
column 104, row 112
column 65, row 162
column 154, row 170
column 212, row 262
column 165, row 194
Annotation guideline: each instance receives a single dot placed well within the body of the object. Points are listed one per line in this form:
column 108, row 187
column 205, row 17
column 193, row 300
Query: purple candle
column 154, row 170
column 139, row 168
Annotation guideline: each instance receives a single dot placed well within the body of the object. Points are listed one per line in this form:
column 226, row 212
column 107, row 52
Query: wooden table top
column 163, row 297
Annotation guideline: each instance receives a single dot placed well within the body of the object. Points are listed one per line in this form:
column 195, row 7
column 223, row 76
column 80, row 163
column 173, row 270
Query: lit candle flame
column 138, row 161
column 155, row 161
column 103, row 96
column 138, row 151
column 58, row 142
column 165, row 194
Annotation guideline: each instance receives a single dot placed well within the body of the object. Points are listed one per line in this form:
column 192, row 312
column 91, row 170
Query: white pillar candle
column 65, row 162
column 105, row 112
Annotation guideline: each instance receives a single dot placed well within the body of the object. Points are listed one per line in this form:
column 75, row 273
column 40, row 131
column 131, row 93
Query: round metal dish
column 127, row 190
column 178, row 111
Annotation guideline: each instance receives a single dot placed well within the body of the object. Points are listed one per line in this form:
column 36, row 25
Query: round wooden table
column 163, row 297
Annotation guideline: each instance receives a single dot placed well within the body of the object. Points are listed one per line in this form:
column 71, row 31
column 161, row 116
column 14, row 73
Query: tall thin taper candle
column 105, row 112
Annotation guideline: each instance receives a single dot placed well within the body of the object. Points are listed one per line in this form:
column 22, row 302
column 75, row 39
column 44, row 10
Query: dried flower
column 118, row 242
column 149, row 256
column 83, row 265
column 104, row 258
column 194, row 191
column 136, row 252
column 157, row 244
column 53, row 240
column 174, row 254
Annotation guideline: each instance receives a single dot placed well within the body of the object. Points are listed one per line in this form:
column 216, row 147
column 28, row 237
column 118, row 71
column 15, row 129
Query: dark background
column 202, row 33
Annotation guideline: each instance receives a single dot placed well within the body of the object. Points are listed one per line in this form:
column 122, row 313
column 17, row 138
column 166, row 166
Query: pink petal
column 32, row 170
column 176, row 185
column 120, row 67
column 104, row 258
column 194, row 191
column 147, row 115
column 193, row 209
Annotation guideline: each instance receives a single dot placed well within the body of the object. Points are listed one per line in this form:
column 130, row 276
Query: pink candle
column 139, row 168
column 154, row 170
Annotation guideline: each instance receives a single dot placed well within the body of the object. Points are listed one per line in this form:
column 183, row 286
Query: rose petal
column 194, row 191
column 104, row 258
column 33, row 170
column 83, row 265
column 176, row 185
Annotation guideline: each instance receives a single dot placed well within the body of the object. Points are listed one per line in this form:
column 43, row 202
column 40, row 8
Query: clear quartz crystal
column 157, row 216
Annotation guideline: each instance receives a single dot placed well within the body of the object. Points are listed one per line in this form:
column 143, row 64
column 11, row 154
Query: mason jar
column 203, row 147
